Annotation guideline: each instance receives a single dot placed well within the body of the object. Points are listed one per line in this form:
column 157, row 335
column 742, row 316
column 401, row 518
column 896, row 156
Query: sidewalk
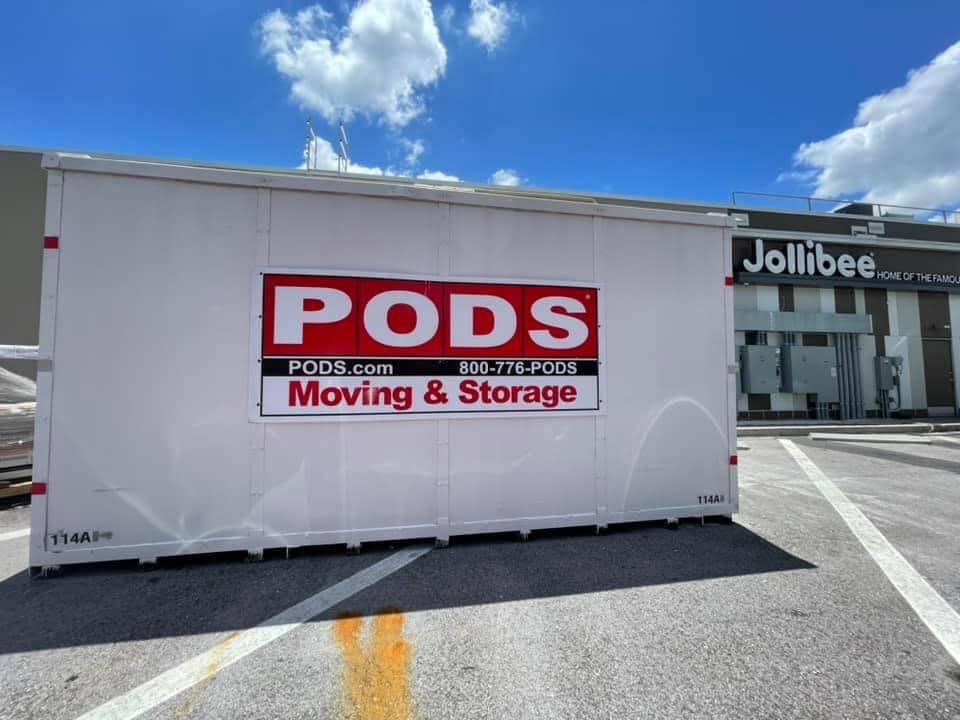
column 797, row 428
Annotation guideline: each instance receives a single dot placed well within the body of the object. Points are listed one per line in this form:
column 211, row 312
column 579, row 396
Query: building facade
column 846, row 315
column 23, row 193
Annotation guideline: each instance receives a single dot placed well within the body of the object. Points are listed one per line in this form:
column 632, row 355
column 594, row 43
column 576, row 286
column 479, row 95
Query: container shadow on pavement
column 107, row 604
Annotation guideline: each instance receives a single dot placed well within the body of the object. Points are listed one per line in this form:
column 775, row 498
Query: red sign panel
column 335, row 345
column 376, row 317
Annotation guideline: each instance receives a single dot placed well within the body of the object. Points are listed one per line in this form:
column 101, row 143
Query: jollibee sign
column 346, row 345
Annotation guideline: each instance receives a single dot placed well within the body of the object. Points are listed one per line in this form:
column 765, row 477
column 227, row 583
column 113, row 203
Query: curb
column 899, row 439
column 804, row 430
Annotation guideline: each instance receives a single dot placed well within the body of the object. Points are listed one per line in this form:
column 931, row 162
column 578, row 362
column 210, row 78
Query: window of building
column 845, row 300
column 786, row 297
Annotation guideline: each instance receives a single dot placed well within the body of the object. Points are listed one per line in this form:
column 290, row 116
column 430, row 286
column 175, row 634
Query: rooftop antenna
column 343, row 158
column 310, row 151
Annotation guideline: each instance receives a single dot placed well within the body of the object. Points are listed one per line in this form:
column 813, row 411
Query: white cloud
column 437, row 175
column 904, row 145
column 505, row 176
column 797, row 176
column 490, row 22
column 322, row 156
column 378, row 64
column 414, row 150
column 950, row 216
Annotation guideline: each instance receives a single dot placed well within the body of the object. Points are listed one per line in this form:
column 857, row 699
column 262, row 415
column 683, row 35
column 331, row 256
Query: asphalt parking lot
column 783, row 613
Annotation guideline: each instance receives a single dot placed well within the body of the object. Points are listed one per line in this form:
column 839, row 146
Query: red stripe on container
column 38, row 488
column 733, row 459
column 729, row 281
column 51, row 242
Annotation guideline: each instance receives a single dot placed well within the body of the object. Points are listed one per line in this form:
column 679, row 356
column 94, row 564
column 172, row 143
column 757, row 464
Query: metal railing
column 815, row 204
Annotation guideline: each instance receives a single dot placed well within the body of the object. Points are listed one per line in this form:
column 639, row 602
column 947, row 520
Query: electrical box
column 811, row 370
column 885, row 372
column 760, row 369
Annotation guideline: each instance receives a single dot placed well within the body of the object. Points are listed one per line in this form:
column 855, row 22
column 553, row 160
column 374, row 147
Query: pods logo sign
column 351, row 345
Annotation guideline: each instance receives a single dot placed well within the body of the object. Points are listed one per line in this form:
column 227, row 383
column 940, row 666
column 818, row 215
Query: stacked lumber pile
column 17, row 411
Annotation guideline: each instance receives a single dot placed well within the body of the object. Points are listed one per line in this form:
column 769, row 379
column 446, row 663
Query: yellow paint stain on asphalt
column 213, row 667
column 376, row 674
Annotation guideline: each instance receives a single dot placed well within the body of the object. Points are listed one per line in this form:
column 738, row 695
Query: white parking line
column 235, row 647
column 14, row 534
column 942, row 620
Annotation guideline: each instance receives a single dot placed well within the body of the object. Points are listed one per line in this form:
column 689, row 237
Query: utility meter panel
column 760, row 369
column 811, row 370
column 884, row 367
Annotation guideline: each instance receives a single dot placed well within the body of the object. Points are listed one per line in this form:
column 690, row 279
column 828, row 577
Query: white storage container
column 247, row 359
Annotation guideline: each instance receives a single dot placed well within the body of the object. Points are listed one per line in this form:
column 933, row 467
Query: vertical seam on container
column 599, row 420
column 52, row 304
column 443, row 424
column 257, row 454
column 730, row 358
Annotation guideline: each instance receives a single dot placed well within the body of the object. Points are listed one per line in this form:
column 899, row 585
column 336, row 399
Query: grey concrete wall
column 22, row 203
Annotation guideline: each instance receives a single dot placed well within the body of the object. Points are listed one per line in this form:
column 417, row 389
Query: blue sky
column 661, row 98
